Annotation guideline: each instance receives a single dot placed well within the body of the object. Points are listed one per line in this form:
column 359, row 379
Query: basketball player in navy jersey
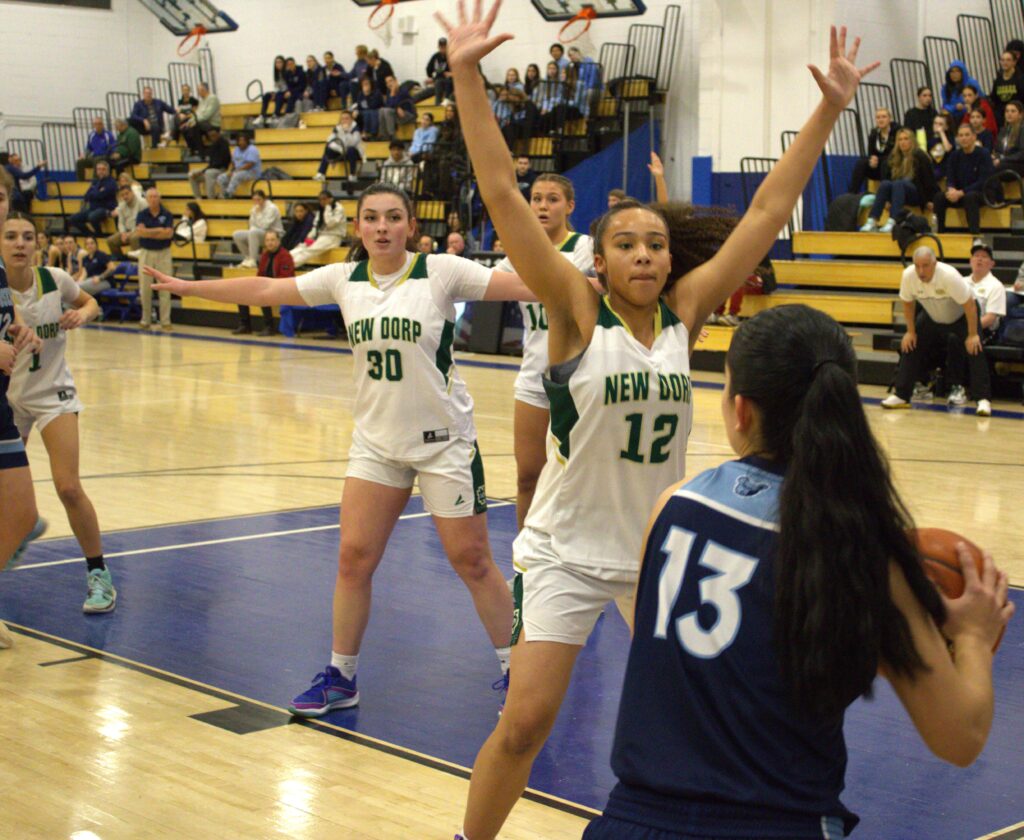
column 773, row 590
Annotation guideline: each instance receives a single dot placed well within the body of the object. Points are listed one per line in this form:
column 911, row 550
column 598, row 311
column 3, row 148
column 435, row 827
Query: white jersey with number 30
column 409, row 395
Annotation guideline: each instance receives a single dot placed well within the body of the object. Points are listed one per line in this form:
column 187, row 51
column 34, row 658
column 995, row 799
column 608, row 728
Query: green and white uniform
column 578, row 248
column 41, row 386
column 620, row 418
column 413, row 414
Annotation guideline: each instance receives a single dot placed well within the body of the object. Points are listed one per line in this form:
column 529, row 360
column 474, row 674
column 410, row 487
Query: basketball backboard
column 183, row 16
column 568, row 9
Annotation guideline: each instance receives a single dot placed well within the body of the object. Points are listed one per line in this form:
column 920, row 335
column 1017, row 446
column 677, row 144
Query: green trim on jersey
column 608, row 317
column 668, row 318
column 443, row 357
column 564, row 415
column 361, row 274
column 417, row 270
column 569, row 245
column 44, row 281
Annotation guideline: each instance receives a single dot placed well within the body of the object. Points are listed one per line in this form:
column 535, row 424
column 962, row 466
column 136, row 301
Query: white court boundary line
column 265, row 536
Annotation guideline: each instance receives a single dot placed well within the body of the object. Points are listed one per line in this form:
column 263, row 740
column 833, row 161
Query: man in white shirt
column 987, row 288
column 941, row 312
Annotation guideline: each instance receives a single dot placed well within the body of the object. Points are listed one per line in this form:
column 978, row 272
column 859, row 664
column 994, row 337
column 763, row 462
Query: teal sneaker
column 37, row 531
column 102, row 595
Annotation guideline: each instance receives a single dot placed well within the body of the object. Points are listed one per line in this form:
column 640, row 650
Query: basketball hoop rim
column 383, row 4
column 197, row 33
column 588, row 14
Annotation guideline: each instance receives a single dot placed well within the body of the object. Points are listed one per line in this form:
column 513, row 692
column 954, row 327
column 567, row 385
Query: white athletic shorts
column 556, row 602
column 530, row 390
column 42, row 412
column 451, row 480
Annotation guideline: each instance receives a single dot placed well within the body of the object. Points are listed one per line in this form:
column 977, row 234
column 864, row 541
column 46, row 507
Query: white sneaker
column 958, row 396
column 319, row 177
column 887, row 227
column 922, row 392
column 135, row 254
column 869, row 226
column 892, row 401
column 729, row 320
column 249, row 263
column 984, row 408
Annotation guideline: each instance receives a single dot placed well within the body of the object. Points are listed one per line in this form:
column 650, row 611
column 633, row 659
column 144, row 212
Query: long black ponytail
column 842, row 523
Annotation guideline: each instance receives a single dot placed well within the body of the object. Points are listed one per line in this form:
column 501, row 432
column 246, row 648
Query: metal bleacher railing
column 31, row 151
column 908, row 74
column 1007, row 20
column 64, row 144
column 812, row 208
column 184, row 73
column 939, row 53
column 119, row 104
column 161, row 87
column 872, row 96
column 978, row 47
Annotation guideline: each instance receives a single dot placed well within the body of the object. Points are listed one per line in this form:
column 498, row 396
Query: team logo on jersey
column 435, row 436
column 746, row 486
column 481, row 496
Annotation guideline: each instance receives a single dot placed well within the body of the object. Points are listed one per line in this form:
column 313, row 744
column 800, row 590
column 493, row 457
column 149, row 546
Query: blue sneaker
column 37, row 531
column 102, row 594
column 330, row 690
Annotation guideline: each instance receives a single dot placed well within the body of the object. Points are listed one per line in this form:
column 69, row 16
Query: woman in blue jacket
column 953, row 89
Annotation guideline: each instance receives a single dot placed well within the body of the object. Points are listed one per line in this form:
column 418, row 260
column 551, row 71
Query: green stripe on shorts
column 517, row 607
column 479, row 491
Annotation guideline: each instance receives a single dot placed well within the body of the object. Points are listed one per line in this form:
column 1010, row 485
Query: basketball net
column 576, row 31
column 189, row 44
column 380, row 20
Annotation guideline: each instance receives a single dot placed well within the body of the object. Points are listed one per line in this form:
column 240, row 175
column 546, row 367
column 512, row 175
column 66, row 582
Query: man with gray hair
column 154, row 228
column 941, row 315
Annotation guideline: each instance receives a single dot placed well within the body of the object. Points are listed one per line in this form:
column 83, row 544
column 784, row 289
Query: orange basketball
column 941, row 563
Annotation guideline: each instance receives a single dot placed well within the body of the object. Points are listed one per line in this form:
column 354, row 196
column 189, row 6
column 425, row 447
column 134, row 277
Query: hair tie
column 821, row 364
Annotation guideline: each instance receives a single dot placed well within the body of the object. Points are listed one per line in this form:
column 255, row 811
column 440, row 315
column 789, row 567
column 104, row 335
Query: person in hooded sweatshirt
column 953, row 89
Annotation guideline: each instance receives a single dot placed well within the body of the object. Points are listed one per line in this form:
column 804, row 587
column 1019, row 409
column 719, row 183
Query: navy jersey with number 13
column 708, row 741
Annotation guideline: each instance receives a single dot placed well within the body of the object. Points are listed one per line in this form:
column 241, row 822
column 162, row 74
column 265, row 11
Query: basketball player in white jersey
column 42, row 392
column 552, row 200
column 413, row 417
column 621, row 400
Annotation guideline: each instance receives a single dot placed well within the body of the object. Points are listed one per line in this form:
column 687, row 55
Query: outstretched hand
column 166, row 283
column 469, row 40
column 656, row 166
column 840, row 85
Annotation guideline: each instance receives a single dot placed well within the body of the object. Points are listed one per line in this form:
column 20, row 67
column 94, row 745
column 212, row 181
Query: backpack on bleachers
column 908, row 228
column 276, row 173
column 842, row 213
column 1011, row 329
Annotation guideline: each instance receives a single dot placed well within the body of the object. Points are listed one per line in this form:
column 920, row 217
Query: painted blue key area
column 252, row 617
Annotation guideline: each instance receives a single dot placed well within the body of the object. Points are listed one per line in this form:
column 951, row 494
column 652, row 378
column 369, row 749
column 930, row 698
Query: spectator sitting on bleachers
column 96, row 267
column 972, row 100
column 147, row 116
column 504, row 110
column 557, row 53
column 99, row 146
column 455, row 245
column 26, row 182
column 129, row 205
column 316, row 84
column 128, row 149
column 881, row 139
column 456, row 225
column 98, row 204
column 184, row 113
column 919, row 119
column 207, row 117
column 549, row 100
column 336, row 81
column 285, row 101
column 345, row 143
column 298, row 227
column 976, row 121
column 245, row 166
column 1007, row 86
column 399, row 169
column 47, row 253
column 525, row 175
column 584, row 76
column 71, row 255
column 512, row 80
column 531, row 80
column 940, row 142
column 439, row 74
column 126, row 180
column 270, row 96
column 398, row 109
column 329, row 228
column 1008, row 152
column 367, row 105
column 378, row 70
column 425, row 244
column 264, row 216
column 940, row 313
column 910, row 180
column 615, row 196
column 988, row 289
column 193, row 224
column 968, row 168
column 360, row 68
column 424, row 138
column 953, row 88
column 275, row 261
column 218, row 161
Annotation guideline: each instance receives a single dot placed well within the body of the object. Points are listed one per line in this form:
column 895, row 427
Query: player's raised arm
column 247, row 291
column 558, row 285
column 707, row 286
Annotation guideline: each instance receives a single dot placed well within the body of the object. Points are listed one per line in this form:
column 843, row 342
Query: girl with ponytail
column 773, row 590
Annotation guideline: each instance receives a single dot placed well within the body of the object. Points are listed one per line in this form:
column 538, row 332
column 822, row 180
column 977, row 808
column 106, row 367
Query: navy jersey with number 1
column 709, row 742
